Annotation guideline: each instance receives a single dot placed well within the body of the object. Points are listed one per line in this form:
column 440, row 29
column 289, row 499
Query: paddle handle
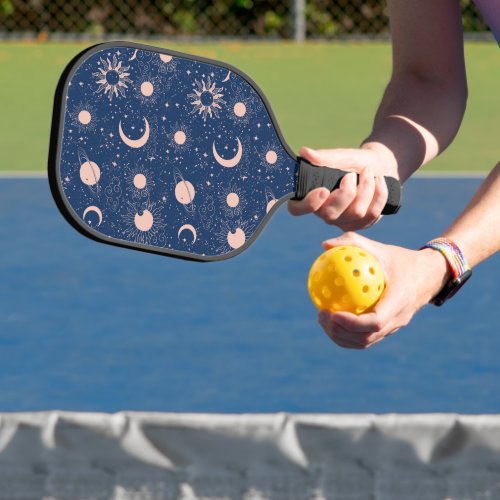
column 309, row 177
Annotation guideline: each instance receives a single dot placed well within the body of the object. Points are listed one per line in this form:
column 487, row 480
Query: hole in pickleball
column 379, row 288
column 372, row 270
column 339, row 281
column 346, row 299
column 330, row 268
column 366, row 289
column 317, row 300
column 348, row 258
column 360, row 309
column 317, row 276
column 356, row 273
column 362, row 254
column 327, row 293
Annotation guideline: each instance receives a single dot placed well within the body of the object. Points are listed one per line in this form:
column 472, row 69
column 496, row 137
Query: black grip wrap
column 311, row 177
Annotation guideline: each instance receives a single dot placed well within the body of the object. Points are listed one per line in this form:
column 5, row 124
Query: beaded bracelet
column 460, row 269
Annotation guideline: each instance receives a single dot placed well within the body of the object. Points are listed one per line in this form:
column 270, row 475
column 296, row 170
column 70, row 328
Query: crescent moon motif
column 95, row 209
column 189, row 227
column 232, row 162
column 134, row 55
column 135, row 143
column 227, row 77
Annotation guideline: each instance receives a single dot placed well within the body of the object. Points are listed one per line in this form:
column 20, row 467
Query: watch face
column 451, row 288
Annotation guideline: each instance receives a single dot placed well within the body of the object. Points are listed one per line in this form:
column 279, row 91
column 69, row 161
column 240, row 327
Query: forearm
column 416, row 120
column 424, row 102
column 477, row 230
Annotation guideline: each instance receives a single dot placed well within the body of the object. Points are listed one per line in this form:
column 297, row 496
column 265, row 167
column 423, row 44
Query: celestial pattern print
column 170, row 153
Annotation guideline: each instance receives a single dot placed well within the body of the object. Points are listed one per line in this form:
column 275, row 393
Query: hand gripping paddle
column 170, row 153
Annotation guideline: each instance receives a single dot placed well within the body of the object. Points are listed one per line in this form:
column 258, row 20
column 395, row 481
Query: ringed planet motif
column 270, row 199
column 188, row 227
column 90, row 173
column 232, row 162
column 184, row 191
column 95, row 209
column 135, row 143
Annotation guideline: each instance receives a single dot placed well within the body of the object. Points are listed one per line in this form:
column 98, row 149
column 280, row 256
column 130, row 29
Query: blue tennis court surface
column 86, row 326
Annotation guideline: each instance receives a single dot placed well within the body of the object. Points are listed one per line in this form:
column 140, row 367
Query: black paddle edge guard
column 311, row 177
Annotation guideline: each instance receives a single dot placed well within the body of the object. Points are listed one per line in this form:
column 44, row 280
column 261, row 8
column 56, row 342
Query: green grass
column 323, row 94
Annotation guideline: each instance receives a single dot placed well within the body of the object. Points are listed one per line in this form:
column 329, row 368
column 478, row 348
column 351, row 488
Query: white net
column 155, row 456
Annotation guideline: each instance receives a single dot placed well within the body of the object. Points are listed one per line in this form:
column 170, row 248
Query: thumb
column 339, row 158
column 349, row 238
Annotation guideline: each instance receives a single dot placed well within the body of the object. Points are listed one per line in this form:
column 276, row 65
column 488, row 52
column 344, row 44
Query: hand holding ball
column 346, row 278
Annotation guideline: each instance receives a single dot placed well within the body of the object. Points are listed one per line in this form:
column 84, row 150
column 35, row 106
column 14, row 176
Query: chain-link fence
column 194, row 18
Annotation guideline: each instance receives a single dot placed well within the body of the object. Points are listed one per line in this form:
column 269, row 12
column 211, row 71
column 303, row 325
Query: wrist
column 437, row 272
column 457, row 266
column 386, row 157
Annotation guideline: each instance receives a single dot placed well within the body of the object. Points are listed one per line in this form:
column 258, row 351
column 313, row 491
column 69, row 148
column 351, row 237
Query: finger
column 338, row 157
column 365, row 191
column 311, row 203
column 338, row 201
column 338, row 334
column 380, row 196
column 348, row 238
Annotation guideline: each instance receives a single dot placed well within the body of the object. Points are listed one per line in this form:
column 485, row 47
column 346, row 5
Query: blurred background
column 282, row 19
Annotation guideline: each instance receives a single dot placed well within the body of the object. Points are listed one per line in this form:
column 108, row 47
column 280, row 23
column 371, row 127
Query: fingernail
column 324, row 194
column 323, row 316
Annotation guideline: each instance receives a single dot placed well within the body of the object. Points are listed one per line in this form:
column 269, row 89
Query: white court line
column 23, row 174
column 454, row 174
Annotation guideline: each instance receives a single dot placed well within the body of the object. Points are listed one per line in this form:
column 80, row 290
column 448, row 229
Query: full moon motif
column 232, row 162
column 140, row 181
column 180, row 137
column 240, row 109
column 232, row 200
column 135, row 143
column 84, row 117
column 147, row 89
column 271, row 157
column 236, row 239
column 145, row 221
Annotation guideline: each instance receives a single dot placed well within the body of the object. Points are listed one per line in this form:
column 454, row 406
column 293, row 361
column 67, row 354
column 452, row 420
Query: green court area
column 323, row 95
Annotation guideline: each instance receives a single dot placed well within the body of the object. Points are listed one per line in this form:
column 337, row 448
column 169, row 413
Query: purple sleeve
column 490, row 9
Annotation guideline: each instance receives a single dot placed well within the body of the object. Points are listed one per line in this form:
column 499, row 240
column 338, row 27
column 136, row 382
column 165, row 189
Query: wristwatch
column 460, row 270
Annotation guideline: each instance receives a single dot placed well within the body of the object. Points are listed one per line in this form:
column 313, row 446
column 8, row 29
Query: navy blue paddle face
column 164, row 152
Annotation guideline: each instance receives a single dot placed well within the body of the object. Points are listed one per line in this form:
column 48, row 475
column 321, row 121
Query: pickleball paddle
column 172, row 153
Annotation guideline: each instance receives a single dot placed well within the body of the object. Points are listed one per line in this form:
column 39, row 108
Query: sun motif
column 232, row 200
column 233, row 235
column 270, row 156
column 147, row 89
column 139, row 181
column 143, row 223
column 112, row 77
column 207, row 98
column 241, row 108
column 180, row 137
column 83, row 117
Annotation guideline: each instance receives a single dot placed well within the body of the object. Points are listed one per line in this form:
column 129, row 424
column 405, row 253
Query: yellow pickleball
column 346, row 278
